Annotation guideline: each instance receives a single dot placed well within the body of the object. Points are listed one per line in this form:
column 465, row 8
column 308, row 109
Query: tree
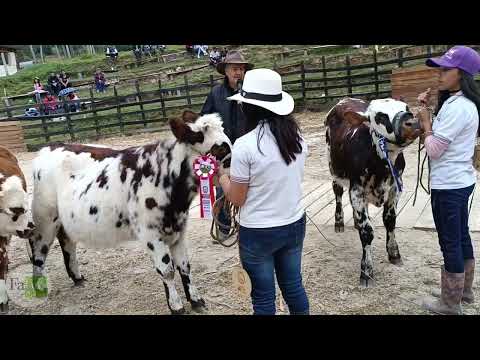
column 33, row 54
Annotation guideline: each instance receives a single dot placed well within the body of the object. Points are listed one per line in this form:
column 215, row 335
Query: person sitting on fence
column 100, row 81
column 215, row 57
column 201, row 49
column 37, row 87
column 50, row 104
column 64, row 80
column 137, row 53
column 53, row 83
column 74, row 106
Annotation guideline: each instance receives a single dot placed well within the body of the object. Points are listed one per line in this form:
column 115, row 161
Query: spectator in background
column 64, row 80
column 111, row 52
column 37, row 87
column 99, row 81
column 50, row 104
column 189, row 49
column 201, row 49
column 223, row 53
column 76, row 105
column 215, row 57
column 146, row 50
column 137, row 52
column 53, row 83
column 162, row 48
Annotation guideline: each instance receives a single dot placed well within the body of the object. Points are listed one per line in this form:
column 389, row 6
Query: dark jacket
column 234, row 121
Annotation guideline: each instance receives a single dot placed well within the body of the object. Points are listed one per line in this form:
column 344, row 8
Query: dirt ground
column 123, row 281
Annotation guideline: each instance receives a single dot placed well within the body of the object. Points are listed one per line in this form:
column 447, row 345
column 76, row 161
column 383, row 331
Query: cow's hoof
column 79, row 282
column 395, row 260
column 367, row 283
column 180, row 311
column 4, row 308
column 198, row 306
column 339, row 228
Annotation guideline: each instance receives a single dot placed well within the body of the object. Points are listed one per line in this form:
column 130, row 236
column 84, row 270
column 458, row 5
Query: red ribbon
column 205, row 168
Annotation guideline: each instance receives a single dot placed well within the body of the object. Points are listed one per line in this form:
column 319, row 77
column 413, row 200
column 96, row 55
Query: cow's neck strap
column 382, row 145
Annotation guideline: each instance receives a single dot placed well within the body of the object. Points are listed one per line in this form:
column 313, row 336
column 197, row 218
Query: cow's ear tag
column 241, row 282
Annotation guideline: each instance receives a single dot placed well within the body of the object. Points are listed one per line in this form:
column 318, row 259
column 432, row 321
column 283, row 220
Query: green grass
column 260, row 55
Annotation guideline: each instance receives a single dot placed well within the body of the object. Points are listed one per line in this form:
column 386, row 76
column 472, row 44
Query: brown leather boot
column 468, row 295
column 449, row 302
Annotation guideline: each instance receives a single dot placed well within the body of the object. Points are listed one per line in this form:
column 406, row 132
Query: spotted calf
column 357, row 163
column 102, row 197
column 13, row 213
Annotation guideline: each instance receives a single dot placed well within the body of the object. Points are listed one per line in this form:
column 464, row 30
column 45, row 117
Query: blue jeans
column 224, row 217
column 100, row 86
column 450, row 213
column 267, row 252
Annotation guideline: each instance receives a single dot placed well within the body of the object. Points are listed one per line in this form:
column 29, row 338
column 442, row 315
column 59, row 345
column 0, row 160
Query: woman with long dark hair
column 266, row 174
column 450, row 144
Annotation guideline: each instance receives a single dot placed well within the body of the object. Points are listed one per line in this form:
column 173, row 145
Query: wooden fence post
column 349, row 74
column 7, row 107
column 375, row 67
column 211, row 82
column 161, row 99
column 119, row 110
column 325, row 90
column 93, row 106
column 187, row 90
column 45, row 129
column 400, row 57
column 139, row 97
column 69, row 124
column 302, row 67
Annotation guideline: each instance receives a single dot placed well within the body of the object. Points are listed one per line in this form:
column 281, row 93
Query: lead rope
column 217, row 226
column 420, row 171
column 383, row 148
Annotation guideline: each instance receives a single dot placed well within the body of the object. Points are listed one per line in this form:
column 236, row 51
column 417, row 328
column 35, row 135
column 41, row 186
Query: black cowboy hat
column 233, row 57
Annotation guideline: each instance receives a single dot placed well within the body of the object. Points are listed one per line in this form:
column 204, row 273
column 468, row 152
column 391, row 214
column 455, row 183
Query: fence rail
column 142, row 109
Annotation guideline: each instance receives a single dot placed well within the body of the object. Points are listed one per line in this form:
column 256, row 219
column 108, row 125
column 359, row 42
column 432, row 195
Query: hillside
column 260, row 55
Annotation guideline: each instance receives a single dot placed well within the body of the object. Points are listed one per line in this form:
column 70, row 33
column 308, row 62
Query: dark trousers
column 450, row 213
column 277, row 251
column 224, row 217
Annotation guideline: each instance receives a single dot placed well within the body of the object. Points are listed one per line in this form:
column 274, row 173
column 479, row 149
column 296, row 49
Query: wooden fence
column 142, row 109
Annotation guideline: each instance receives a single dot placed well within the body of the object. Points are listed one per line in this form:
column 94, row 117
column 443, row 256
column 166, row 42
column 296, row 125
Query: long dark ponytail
column 284, row 128
column 470, row 90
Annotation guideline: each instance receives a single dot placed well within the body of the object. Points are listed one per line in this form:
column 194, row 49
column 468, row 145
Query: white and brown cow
column 102, row 197
column 357, row 163
column 13, row 213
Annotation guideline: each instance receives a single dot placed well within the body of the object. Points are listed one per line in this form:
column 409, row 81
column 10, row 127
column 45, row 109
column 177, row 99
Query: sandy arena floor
column 123, row 281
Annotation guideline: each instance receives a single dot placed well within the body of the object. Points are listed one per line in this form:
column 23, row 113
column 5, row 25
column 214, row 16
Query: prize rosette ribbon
column 205, row 168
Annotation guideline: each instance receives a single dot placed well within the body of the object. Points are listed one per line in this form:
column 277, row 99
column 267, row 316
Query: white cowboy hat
column 263, row 87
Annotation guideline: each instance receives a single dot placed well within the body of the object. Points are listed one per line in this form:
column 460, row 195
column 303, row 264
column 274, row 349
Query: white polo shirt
column 457, row 123
column 275, row 188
